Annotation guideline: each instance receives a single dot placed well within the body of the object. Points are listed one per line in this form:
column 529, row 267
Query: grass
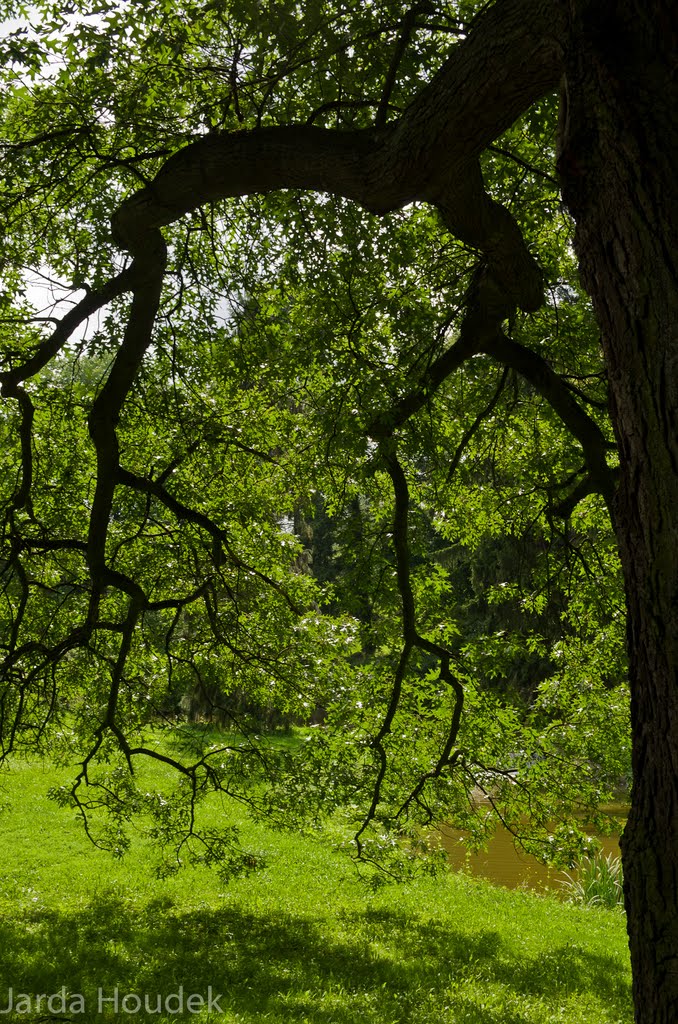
column 302, row 940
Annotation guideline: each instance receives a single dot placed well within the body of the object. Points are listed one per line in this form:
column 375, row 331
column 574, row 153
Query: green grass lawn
column 301, row 940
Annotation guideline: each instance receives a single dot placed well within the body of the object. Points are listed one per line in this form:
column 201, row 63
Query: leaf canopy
column 312, row 487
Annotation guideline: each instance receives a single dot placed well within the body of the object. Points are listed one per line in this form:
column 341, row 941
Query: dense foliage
column 320, row 514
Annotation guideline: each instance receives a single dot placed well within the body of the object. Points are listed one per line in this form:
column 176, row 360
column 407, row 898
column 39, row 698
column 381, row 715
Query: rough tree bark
column 619, row 180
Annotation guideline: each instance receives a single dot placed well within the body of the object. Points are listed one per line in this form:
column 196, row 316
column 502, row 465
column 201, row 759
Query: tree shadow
column 390, row 968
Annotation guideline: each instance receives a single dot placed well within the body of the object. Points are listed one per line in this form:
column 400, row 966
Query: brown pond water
column 505, row 865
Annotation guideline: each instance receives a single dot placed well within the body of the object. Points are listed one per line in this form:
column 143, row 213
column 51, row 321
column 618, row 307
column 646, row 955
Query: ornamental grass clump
column 598, row 882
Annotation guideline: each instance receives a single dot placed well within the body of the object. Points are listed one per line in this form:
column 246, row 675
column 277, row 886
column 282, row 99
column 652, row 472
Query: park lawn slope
column 301, row 940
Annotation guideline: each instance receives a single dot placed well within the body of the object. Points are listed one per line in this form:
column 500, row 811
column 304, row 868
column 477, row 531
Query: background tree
column 379, row 337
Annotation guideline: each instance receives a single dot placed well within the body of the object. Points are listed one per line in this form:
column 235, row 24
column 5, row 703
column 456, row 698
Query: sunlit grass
column 301, row 940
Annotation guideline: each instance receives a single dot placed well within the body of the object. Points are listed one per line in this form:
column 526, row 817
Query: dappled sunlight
column 386, row 964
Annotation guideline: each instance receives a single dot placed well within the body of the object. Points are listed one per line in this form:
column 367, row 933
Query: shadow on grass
column 384, row 967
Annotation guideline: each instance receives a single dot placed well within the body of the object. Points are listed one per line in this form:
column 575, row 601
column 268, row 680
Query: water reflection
column 504, row 864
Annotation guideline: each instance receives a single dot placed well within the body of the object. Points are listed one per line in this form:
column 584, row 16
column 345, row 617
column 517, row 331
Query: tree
column 398, row 111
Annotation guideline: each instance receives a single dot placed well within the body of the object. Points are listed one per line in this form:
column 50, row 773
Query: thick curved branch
column 587, row 486
column 480, row 327
column 105, row 412
column 480, row 334
column 383, row 425
column 401, row 542
column 428, row 154
column 546, row 381
column 22, row 495
column 10, row 380
column 220, row 166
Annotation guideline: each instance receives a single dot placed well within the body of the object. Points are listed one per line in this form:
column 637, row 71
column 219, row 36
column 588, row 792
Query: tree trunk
column 619, row 147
